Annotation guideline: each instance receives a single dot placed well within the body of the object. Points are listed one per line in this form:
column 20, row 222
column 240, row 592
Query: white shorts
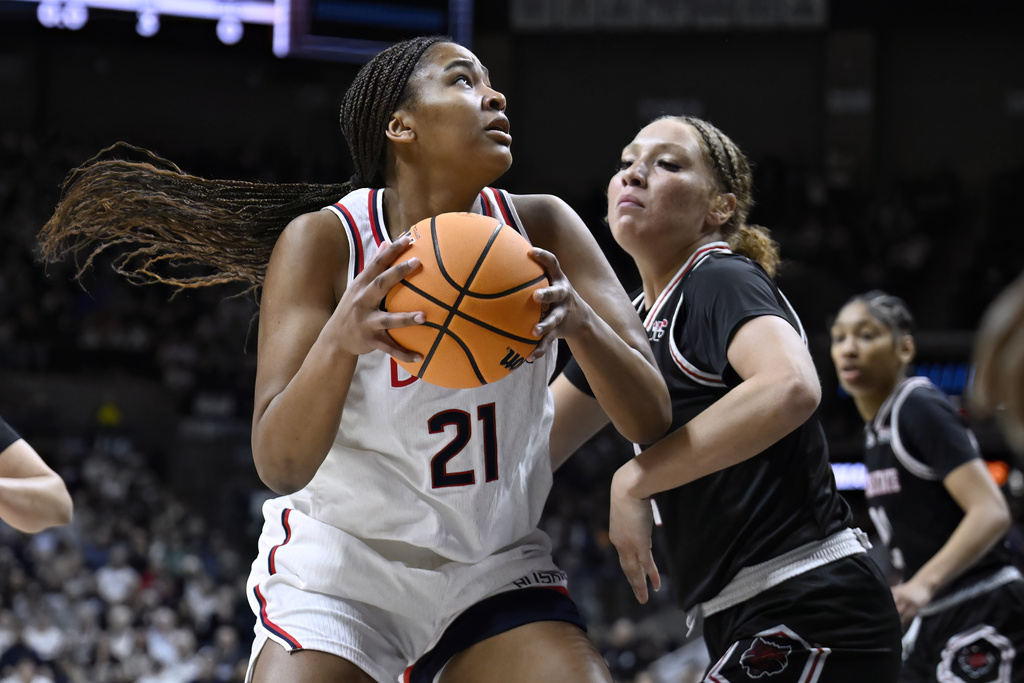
column 380, row 605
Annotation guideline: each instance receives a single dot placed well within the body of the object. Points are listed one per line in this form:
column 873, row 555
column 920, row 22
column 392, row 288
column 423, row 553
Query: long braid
column 732, row 174
column 165, row 224
column 170, row 220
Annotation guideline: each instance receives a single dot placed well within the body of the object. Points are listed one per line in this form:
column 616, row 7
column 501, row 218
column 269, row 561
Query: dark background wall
column 888, row 147
column 888, row 142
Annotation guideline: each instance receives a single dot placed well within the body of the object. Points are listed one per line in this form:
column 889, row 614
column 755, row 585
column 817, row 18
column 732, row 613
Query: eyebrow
column 467, row 64
column 657, row 147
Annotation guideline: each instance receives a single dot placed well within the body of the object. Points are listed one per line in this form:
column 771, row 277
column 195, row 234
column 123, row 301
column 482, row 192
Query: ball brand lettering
column 512, row 360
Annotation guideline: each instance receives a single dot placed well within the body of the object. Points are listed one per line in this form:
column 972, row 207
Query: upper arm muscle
column 305, row 279
column 769, row 344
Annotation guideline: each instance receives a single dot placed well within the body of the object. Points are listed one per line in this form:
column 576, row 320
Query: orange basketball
column 476, row 290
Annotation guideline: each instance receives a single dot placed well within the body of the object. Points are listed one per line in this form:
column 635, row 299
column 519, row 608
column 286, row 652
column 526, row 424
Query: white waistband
column 989, row 583
column 758, row 578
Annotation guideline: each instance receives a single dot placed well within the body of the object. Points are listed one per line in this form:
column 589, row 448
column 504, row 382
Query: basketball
column 476, row 290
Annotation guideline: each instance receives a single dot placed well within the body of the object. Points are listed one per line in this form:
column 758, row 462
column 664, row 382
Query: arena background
column 888, row 143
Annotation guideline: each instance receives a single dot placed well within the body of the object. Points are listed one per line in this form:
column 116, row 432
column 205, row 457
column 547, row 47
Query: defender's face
column 868, row 359
column 457, row 117
column 661, row 195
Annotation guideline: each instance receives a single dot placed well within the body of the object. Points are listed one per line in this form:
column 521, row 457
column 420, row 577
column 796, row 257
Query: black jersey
column 771, row 503
column 915, row 440
column 7, row 435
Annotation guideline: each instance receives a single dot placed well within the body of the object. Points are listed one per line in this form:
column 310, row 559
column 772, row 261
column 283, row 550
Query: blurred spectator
column 117, row 581
column 27, row 670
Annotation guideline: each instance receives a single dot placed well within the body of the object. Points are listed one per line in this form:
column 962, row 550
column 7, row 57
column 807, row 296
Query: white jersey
column 418, row 470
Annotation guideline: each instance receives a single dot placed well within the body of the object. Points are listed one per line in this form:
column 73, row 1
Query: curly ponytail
column 756, row 243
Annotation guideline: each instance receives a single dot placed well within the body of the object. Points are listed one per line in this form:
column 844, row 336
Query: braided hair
column 186, row 231
column 888, row 309
column 732, row 174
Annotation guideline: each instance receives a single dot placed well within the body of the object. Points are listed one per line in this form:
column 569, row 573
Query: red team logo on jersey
column 658, row 329
column 980, row 654
column 976, row 661
column 765, row 658
column 775, row 655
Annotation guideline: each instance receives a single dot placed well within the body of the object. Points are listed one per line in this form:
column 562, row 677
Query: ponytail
column 165, row 223
column 756, row 243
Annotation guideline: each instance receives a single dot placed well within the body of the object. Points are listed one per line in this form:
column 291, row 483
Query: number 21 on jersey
column 485, row 428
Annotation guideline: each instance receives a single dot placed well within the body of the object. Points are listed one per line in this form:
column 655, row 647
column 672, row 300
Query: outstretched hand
column 566, row 310
column 629, row 530
column 363, row 326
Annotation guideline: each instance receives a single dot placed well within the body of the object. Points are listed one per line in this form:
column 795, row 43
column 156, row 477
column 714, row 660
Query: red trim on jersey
column 506, row 212
column 375, row 222
column 484, row 207
column 687, row 267
column 817, row 656
column 681, row 364
column 287, row 537
column 271, row 626
column 357, row 240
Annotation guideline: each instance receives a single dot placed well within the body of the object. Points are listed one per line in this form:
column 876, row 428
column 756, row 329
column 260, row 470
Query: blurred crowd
column 137, row 588
column 143, row 586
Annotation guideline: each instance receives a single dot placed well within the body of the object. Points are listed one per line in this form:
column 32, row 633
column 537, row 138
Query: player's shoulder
column 540, row 208
column 726, row 270
column 313, row 236
column 551, row 223
column 315, row 225
column 923, row 400
column 921, row 390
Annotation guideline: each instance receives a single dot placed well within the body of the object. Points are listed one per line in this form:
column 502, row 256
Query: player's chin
column 497, row 169
column 501, row 154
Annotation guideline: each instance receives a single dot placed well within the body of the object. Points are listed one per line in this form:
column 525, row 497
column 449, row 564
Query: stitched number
column 486, row 415
column 440, row 477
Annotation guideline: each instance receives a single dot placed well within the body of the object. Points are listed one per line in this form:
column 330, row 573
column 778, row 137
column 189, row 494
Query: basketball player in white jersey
column 404, row 543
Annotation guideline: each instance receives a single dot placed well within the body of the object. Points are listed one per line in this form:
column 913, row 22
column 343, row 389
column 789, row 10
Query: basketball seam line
column 464, row 316
column 455, row 304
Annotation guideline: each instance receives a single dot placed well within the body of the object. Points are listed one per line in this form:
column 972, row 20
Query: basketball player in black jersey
column 760, row 545
column 933, row 504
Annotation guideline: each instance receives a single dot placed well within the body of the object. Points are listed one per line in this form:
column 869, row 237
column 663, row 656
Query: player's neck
column 869, row 403
column 408, row 204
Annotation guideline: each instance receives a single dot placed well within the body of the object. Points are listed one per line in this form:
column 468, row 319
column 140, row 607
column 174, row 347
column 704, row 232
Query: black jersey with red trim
column 916, row 439
column 758, row 509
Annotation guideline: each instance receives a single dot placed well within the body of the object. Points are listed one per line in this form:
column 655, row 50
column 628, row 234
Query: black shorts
column 980, row 640
column 833, row 624
column 491, row 616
